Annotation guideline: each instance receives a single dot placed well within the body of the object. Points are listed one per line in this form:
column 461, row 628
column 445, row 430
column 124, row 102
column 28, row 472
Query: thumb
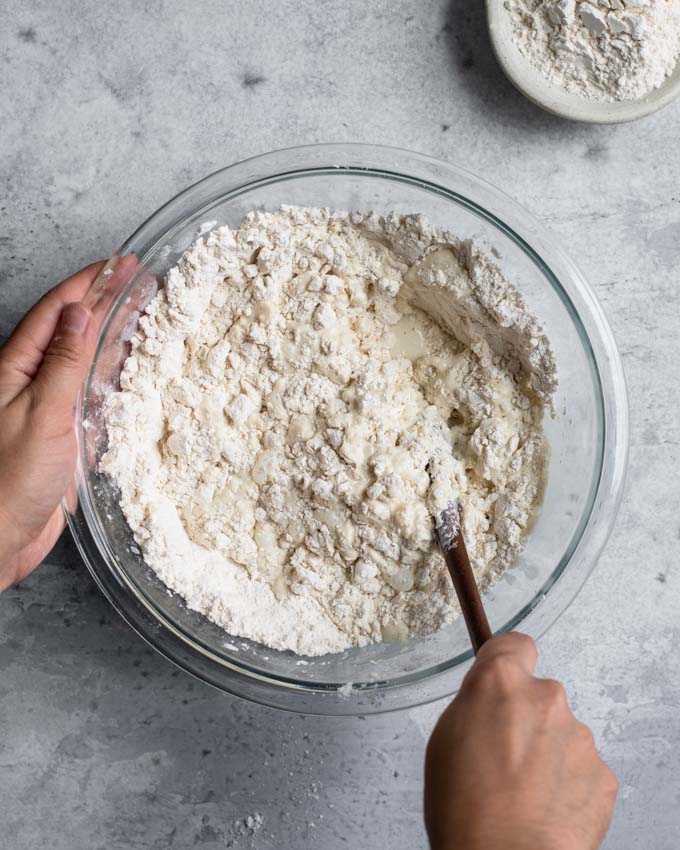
column 66, row 360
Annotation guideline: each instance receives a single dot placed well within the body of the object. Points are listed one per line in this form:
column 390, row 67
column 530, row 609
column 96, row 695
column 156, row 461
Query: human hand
column 509, row 767
column 42, row 366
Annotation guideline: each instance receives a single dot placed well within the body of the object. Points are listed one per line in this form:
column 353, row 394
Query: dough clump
column 302, row 397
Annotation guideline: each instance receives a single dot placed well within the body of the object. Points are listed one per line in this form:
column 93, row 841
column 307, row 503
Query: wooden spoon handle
column 465, row 585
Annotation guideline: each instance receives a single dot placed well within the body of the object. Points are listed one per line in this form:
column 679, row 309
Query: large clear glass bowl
column 588, row 434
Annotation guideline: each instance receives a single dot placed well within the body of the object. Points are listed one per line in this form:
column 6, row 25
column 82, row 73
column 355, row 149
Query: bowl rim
column 370, row 697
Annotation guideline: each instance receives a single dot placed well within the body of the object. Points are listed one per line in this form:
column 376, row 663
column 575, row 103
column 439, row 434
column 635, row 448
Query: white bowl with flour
column 598, row 62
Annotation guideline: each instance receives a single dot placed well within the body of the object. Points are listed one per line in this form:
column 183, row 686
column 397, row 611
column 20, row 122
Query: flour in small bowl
column 302, row 398
column 604, row 50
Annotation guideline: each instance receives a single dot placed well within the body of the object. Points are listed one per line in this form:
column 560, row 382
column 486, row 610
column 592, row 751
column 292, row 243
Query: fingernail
column 74, row 319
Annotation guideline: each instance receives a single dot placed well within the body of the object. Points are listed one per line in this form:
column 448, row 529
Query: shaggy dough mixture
column 302, row 397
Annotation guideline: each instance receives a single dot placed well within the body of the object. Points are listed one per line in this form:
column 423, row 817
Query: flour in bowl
column 604, row 50
column 302, row 397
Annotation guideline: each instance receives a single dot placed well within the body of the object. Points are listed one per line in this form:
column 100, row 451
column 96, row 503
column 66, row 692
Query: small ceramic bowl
column 537, row 88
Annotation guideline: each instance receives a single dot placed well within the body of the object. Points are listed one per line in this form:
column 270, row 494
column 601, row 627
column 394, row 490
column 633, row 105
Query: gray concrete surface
column 109, row 109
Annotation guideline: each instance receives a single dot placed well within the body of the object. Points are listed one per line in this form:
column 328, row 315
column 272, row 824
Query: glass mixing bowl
column 588, row 434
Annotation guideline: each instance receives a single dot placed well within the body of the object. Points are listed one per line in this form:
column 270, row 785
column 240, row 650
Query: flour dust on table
column 304, row 394
column 604, row 50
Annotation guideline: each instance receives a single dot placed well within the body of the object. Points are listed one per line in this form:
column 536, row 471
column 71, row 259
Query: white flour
column 606, row 50
column 291, row 419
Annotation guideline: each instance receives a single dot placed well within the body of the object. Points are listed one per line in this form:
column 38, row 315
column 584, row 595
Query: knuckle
column 64, row 351
column 514, row 644
column 523, row 641
column 553, row 702
column 554, row 693
column 610, row 784
column 499, row 672
column 585, row 736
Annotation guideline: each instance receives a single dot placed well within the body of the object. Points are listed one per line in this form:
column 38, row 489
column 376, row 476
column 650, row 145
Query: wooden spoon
column 450, row 538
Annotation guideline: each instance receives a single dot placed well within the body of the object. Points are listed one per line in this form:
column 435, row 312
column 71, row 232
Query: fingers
column 517, row 647
column 23, row 353
column 502, row 665
column 65, row 364
column 118, row 273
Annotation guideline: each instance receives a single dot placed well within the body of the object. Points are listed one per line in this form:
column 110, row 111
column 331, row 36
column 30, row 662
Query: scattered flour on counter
column 302, row 397
column 604, row 50
column 245, row 828
column 345, row 691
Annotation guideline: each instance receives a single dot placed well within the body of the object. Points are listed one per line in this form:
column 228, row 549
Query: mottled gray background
column 109, row 109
